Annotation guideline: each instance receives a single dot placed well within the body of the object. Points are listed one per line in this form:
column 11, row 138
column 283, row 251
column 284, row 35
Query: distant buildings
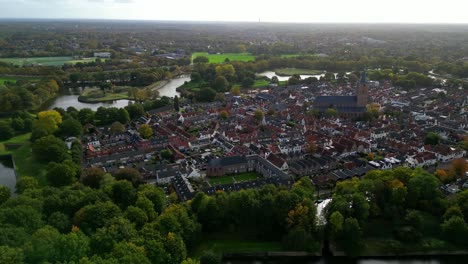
column 105, row 55
column 353, row 106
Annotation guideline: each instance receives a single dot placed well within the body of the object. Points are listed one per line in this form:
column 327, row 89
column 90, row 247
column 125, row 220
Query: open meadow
column 218, row 58
column 45, row 61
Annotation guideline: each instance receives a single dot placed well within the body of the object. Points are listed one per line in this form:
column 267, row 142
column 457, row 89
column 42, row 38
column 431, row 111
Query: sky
column 324, row 11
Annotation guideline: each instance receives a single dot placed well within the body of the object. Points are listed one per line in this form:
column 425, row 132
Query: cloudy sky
column 371, row 11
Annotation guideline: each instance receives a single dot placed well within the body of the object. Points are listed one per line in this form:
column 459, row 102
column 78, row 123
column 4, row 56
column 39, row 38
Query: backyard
column 228, row 179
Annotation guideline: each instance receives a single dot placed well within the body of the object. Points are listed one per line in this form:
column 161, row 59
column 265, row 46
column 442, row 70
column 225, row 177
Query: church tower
column 362, row 92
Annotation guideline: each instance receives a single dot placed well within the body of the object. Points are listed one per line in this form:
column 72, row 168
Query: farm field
column 218, row 58
column 45, row 61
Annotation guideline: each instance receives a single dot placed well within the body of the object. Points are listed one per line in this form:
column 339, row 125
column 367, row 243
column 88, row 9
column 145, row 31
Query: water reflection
column 7, row 174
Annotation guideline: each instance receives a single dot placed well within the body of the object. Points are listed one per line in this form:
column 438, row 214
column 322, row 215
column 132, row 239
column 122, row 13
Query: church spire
column 363, row 76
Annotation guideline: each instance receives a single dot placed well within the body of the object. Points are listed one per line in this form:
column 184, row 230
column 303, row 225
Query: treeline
column 25, row 95
column 456, row 69
column 403, row 210
column 103, row 218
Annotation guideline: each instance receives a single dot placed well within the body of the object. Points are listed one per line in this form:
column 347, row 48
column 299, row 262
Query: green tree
column 94, row 216
column 6, row 131
column 49, row 148
column 432, row 138
column 136, row 215
column 206, row 95
column 117, row 229
column 86, row 116
column 220, row 83
column 190, row 261
column 352, row 78
column 224, row 115
column 129, row 253
column 352, row 237
column 60, row 221
column 166, row 154
column 61, row 174
column 226, row 70
column 135, row 110
column 258, row 114
column 176, row 104
column 248, row 82
column 117, row 127
column 335, row 224
column 235, row 91
column 175, row 247
column 123, row 193
column 128, row 174
column 331, row 112
column 455, row 230
column 201, row 59
column 156, row 195
column 92, row 177
column 26, row 183
column 70, row 128
column 10, row 255
column 209, row 257
column 4, row 194
column 145, row 131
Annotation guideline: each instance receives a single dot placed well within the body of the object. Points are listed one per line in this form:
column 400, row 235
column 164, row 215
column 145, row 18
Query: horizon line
column 233, row 21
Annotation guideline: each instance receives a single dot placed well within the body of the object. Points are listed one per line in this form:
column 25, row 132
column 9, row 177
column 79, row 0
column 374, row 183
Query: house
column 278, row 162
column 105, row 55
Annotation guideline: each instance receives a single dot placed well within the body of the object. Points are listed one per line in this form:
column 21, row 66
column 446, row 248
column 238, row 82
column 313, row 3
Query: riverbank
column 292, row 71
column 96, row 95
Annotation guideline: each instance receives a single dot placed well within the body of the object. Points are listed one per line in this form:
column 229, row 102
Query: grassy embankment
column 218, row 58
column 4, row 79
column 247, row 176
column 291, row 71
column 224, row 243
column 96, row 95
column 380, row 240
column 46, row 61
column 25, row 163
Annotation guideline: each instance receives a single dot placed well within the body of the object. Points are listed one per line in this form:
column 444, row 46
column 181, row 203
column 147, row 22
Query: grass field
column 21, row 139
column 233, row 243
column 247, row 176
column 291, row 71
column 218, row 58
column 4, row 79
column 95, row 95
column 25, row 163
column 45, row 61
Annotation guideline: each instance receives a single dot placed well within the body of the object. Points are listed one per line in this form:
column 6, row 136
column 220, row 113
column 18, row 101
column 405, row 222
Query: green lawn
column 234, row 244
column 291, row 71
column 247, row 176
column 25, row 163
column 218, row 58
column 21, row 139
column 4, row 79
column 94, row 95
column 45, row 61
column 221, row 180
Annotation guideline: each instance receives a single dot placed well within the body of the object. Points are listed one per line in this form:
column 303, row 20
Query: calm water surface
column 7, row 174
column 70, row 97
